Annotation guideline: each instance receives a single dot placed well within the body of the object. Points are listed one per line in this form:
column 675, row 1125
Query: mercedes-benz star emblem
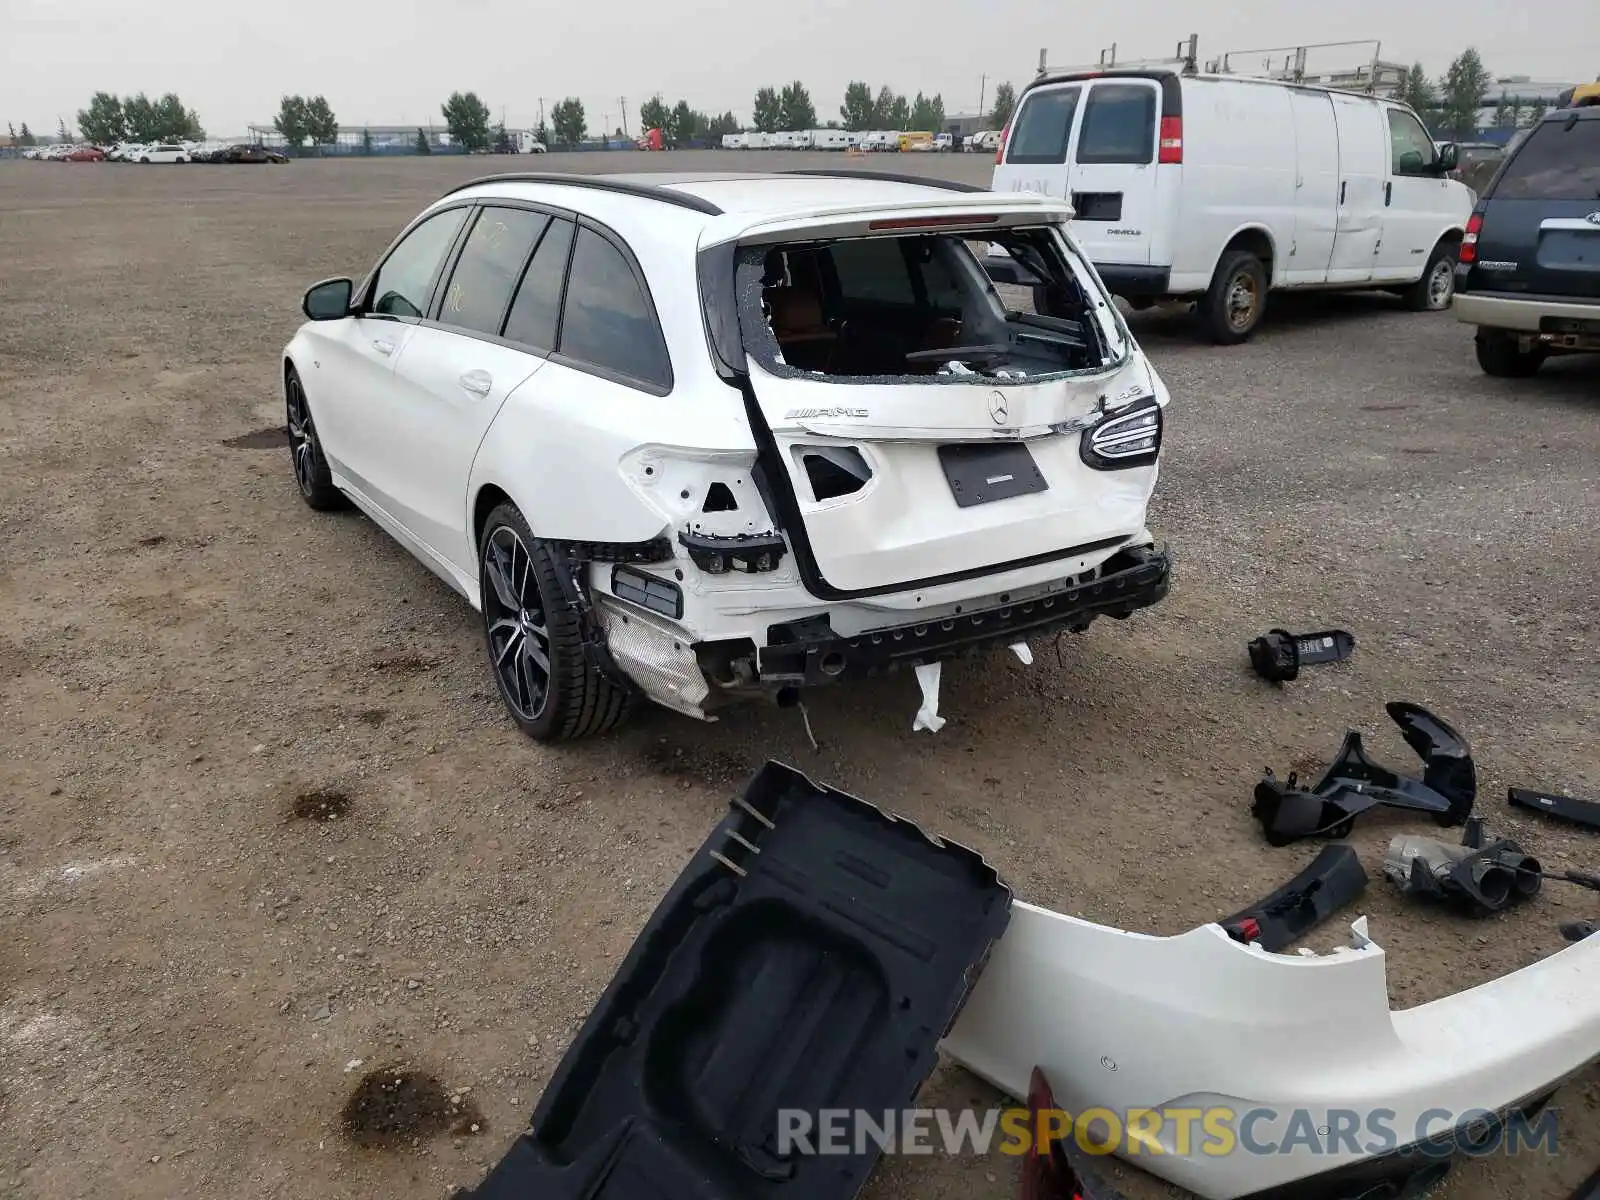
column 997, row 407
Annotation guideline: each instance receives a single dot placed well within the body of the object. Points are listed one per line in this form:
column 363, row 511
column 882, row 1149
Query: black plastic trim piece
column 599, row 183
column 810, row 956
column 647, row 591
column 657, row 549
column 719, row 307
column 1589, row 1189
column 751, row 553
column 1278, row 655
column 1567, row 808
column 943, row 185
column 1355, row 783
column 1334, row 878
column 809, row 653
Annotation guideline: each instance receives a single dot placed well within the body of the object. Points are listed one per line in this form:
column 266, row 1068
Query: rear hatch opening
column 916, row 427
column 917, row 305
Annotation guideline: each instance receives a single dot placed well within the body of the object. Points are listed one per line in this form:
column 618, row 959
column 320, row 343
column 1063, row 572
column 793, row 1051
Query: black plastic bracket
column 1334, row 878
column 748, row 552
column 1279, row 654
column 1355, row 783
column 1567, row 808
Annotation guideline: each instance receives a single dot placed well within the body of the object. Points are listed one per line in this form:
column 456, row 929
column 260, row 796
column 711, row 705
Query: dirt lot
column 263, row 826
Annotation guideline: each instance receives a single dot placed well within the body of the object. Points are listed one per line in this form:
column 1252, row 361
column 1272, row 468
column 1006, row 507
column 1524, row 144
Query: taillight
column 1000, row 152
column 1171, row 140
column 1128, row 439
column 1469, row 243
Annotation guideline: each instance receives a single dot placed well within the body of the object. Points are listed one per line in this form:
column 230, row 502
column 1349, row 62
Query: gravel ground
column 263, row 826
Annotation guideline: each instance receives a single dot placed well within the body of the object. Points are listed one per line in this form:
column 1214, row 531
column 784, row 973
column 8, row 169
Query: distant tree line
column 303, row 119
column 110, row 119
column 681, row 124
column 1449, row 105
column 310, row 120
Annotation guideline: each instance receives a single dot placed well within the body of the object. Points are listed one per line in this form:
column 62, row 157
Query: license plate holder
column 983, row 473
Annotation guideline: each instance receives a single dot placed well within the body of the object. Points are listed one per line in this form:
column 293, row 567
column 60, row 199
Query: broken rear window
column 917, row 305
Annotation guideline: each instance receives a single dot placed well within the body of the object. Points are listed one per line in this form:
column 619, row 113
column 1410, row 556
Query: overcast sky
column 394, row 62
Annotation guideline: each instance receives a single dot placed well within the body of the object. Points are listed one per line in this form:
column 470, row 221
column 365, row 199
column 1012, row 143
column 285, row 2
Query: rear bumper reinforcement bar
column 809, row 653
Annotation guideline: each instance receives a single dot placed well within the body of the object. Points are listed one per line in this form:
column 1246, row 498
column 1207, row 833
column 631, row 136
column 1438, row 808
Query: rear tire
column 1500, row 356
column 1234, row 303
column 1436, row 290
column 527, row 616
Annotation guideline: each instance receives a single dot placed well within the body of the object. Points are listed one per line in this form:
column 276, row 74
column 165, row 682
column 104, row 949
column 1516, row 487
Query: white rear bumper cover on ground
column 1125, row 1021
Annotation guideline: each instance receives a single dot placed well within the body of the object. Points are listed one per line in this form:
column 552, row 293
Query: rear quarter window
column 1044, row 126
column 1559, row 161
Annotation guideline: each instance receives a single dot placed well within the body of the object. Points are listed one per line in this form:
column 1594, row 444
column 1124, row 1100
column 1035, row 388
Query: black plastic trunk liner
column 810, row 957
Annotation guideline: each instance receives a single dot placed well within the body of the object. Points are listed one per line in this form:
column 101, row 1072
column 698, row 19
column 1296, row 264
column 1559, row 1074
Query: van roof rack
column 1367, row 76
column 1185, row 59
column 601, row 183
column 1363, row 76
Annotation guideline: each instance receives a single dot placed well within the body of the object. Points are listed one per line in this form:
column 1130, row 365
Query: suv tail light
column 1469, row 243
column 1000, row 151
column 1171, row 140
column 1126, row 439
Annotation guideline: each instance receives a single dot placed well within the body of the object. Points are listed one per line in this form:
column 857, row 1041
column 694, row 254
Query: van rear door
column 1034, row 158
column 1113, row 172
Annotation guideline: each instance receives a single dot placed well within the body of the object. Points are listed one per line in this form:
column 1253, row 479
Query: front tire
column 1234, row 303
column 542, row 666
column 1436, row 290
column 311, row 471
column 1500, row 355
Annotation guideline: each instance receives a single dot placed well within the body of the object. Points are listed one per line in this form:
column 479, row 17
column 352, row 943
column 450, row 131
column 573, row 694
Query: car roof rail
column 944, row 185
column 599, row 183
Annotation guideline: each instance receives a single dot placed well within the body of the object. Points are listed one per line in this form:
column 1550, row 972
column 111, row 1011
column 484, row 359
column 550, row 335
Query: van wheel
column 1500, row 355
column 1233, row 304
column 1437, row 287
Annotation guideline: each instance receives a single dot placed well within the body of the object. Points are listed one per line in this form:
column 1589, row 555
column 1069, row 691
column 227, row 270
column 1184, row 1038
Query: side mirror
column 1449, row 157
column 328, row 300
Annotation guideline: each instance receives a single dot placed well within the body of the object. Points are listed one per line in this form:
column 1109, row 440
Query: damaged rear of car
column 936, row 470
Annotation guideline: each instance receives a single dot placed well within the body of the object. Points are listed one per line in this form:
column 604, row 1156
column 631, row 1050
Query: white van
column 1216, row 188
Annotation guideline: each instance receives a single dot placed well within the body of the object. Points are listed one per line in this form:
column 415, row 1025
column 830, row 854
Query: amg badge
column 811, row 414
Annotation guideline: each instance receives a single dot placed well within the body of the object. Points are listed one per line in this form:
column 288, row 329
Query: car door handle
column 383, row 347
column 1388, row 193
column 477, row 382
column 1342, row 185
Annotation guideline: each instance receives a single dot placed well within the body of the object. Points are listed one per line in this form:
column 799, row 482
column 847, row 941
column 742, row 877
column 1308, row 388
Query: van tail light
column 1171, row 140
column 1000, row 151
column 1469, row 243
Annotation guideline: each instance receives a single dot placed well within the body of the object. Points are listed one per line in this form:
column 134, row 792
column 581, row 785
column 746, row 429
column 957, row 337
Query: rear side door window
column 1410, row 148
column 1044, row 126
column 1119, row 124
column 1559, row 161
column 535, row 317
column 486, row 271
column 607, row 320
column 404, row 283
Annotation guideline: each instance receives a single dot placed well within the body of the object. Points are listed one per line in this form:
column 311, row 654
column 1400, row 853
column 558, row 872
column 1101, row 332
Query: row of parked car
column 160, row 152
